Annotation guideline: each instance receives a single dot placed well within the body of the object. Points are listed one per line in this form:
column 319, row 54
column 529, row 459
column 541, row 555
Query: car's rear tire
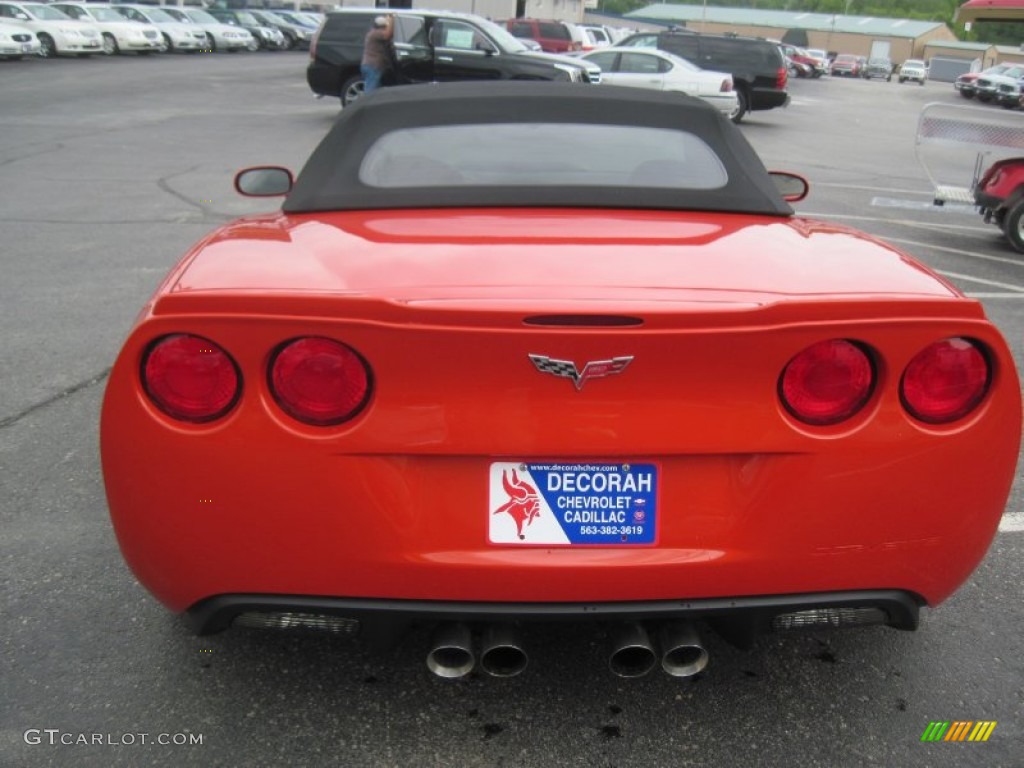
column 351, row 90
column 47, row 48
column 742, row 105
column 1013, row 226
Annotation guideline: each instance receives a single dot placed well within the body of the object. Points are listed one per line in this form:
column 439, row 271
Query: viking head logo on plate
column 523, row 504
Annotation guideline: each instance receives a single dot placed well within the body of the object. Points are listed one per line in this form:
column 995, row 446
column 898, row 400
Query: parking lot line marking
column 1012, row 521
column 960, row 251
column 923, row 205
column 874, row 189
column 929, row 225
column 982, row 281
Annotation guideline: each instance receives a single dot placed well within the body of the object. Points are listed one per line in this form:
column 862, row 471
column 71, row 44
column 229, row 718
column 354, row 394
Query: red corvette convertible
column 541, row 352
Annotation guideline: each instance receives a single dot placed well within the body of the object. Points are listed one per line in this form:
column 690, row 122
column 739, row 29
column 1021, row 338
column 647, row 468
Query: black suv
column 758, row 70
column 431, row 46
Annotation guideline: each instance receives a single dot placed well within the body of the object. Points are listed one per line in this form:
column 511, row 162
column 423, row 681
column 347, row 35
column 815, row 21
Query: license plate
column 572, row 503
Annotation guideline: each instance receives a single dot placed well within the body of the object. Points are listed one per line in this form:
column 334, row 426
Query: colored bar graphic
column 958, row 730
column 982, row 731
column 935, row 731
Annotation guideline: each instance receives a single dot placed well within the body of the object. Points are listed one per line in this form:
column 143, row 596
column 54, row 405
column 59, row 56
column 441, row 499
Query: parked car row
column 805, row 63
column 1001, row 84
column 84, row 28
column 851, row 65
column 736, row 74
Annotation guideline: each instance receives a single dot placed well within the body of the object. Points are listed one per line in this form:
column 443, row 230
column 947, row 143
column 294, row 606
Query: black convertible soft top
column 525, row 144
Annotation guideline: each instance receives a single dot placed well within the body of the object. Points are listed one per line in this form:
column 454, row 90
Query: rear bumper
column 725, row 103
column 739, row 619
column 325, row 79
column 768, row 98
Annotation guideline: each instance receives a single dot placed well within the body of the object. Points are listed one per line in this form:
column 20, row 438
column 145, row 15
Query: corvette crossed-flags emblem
column 593, row 369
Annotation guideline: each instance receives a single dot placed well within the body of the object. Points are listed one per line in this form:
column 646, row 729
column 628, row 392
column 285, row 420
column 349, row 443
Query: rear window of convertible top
column 545, row 154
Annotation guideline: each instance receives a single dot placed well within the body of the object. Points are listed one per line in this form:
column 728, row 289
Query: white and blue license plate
column 572, row 503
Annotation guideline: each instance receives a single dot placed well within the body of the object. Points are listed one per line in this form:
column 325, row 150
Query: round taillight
column 828, row 382
column 190, row 378
column 319, row 381
column 945, row 381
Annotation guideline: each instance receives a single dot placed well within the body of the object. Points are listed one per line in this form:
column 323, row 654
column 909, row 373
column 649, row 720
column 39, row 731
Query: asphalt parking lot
column 109, row 169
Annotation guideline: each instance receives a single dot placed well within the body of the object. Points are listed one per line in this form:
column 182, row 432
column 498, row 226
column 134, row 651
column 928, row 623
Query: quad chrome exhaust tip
column 502, row 654
column 451, row 651
column 632, row 651
column 682, row 653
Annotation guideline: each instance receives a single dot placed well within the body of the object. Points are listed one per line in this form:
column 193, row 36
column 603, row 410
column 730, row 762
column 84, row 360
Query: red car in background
column 848, row 65
column 806, row 64
column 552, row 36
column 520, row 352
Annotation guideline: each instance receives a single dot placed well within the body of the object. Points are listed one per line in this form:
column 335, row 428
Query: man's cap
column 380, row 21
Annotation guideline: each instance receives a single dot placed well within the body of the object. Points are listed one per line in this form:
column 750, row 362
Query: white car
column 177, row 36
column 595, row 36
column 663, row 71
column 58, row 33
column 913, row 69
column 17, row 42
column 119, row 34
column 220, row 36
